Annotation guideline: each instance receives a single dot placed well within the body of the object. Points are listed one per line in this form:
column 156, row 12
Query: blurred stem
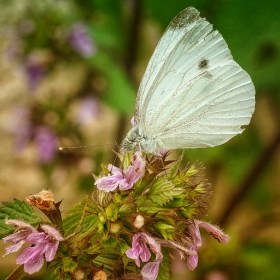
column 258, row 226
column 131, row 51
column 249, row 181
column 17, row 274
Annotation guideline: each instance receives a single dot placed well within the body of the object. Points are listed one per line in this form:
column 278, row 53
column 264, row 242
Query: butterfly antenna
column 80, row 147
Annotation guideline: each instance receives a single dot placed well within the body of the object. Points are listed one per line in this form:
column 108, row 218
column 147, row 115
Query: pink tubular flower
column 19, row 237
column 123, row 179
column 140, row 250
column 44, row 243
column 197, row 242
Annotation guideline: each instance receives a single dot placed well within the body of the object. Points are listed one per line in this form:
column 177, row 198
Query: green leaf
column 174, row 170
column 162, row 191
column 109, row 242
column 110, row 262
column 122, row 247
column 166, row 230
column 84, row 259
column 164, row 269
column 80, row 217
column 69, row 264
column 17, row 210
column 112, row 212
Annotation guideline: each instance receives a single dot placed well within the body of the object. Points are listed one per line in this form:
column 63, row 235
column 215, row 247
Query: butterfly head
column 136, row 141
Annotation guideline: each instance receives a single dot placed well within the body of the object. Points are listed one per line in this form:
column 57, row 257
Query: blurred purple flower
column 89, row 109
column 140, row 250
column 35, row 71
column 44, row 137
column 47, row 143
column 123, row 179
column 197, row 242
column 81, row 41
column 44, row 243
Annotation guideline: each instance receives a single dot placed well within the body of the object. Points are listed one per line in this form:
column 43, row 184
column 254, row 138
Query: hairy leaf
column 17, row 210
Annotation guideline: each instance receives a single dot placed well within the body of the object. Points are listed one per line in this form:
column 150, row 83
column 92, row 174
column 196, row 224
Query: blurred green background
column 69, row 72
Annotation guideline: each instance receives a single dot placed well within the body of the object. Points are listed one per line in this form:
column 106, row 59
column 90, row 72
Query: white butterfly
column 193, row 94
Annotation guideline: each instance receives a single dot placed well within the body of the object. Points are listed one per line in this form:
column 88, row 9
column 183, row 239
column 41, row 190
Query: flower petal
column 192, row 261
column 214, row 231
column 14, row 248
column 35, row 265
column 54, row 233
column 150, row 270
column 50, row 251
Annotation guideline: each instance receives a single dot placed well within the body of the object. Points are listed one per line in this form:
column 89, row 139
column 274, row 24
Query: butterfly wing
column 193, row 94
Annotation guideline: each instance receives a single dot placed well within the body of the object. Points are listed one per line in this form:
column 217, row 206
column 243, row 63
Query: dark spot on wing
column 203, row 64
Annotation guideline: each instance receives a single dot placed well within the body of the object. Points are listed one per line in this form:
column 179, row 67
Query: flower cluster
column 133, row 218
column 147, row 240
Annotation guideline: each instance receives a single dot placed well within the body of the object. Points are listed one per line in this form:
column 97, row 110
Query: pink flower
column 123, row 179
column 197, row 242
column 140, row 250
column 44, row 243
column 19, row 237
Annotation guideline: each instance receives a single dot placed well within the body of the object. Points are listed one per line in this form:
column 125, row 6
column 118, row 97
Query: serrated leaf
column 161, row 191
column 166, row 230
column 112, row 212
column 122, row 247
column 81, row 217
column 17, row 210
column 84, row 259
column 175, row 168
column 96, row 249
column 109, row 261
column 69, row 264
column 109, row 242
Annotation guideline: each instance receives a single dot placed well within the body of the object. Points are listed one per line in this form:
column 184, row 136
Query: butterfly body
column 193, row 94
column 136, row 141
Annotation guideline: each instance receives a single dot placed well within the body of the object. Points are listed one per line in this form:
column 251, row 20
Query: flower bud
column 139, row 221
column 100, row 275
column 115, row 227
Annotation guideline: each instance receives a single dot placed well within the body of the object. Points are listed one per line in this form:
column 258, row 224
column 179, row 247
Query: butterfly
column 193, row 94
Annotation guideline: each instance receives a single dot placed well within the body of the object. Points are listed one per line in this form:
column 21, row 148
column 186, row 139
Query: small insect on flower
column 44, row 200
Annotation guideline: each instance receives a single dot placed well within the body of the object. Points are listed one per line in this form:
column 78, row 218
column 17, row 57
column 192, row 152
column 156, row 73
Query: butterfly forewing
column 174, row 32
column 193, row 94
